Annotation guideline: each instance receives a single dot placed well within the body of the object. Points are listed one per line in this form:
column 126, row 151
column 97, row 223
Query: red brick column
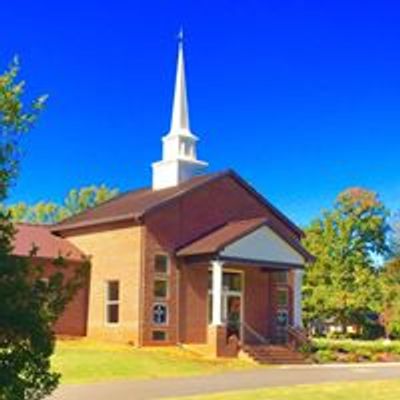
column 218, row 343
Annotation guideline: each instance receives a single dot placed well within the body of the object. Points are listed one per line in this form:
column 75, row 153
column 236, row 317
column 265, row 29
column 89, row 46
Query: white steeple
column 179, row 162
column 180, row 112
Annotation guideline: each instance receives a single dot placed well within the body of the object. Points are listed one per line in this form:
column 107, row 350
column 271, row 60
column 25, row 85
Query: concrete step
column 274, row 354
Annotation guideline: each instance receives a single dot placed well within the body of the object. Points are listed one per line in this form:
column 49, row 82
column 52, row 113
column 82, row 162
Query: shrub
column 325, row 350
column 324, row 356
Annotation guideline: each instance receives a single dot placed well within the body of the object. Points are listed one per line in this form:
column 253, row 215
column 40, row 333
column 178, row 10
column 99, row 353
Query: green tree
column 395, row 236
column 28, row 305
column 390, row 285
column 40, row 213
column 343, row 283
column 79, row 200
column 18, row 211
column 76, row 201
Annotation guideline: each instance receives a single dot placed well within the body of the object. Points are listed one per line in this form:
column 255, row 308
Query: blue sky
column 300, row 97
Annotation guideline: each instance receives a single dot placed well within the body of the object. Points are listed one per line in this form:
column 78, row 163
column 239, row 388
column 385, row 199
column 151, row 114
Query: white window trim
column 108, row 302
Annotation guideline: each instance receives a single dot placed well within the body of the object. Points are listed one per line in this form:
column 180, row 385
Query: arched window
column 160, row 314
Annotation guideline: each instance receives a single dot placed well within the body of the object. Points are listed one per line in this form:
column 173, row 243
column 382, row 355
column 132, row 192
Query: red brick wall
column 147, row 326
column 204, row 209
column 193, row 304
column 187, row 219
column 257, row 306
column 73, row 321
column 191, row 281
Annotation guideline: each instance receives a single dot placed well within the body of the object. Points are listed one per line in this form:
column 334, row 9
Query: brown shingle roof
column 231, row 232
column 49, row 245
column 130, row 205
column 135, row 204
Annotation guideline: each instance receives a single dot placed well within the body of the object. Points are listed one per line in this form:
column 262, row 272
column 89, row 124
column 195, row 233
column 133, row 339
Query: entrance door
column 233, row 307
column 232, row 302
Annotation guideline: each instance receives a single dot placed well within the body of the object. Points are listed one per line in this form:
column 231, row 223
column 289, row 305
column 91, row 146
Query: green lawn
column 81, row 361
column 378, row 390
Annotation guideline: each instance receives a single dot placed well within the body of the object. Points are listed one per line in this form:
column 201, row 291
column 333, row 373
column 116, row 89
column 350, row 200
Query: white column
column 217, row 269
column 297, row 313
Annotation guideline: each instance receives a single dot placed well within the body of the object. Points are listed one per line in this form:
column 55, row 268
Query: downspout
column 142, row 283
column 178, row 299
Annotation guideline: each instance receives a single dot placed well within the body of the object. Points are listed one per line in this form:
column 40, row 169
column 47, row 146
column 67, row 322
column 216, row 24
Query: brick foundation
column 219, row 345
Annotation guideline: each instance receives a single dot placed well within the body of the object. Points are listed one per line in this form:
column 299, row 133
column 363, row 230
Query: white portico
column 240, row 251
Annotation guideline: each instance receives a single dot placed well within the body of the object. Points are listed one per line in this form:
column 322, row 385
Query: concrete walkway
column 253, row 379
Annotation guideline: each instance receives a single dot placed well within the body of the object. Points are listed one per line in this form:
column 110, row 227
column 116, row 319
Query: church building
column 196, row 258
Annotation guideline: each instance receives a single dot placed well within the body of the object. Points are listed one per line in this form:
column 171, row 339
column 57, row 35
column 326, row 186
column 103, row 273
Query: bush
column 325, row 350
column 395, row 330
column 324, row 356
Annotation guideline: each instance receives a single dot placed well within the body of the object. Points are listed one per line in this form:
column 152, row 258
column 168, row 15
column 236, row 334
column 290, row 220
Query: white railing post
column 297, row 312
column 217, row 270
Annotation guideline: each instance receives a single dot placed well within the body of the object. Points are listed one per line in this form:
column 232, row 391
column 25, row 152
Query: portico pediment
column 253, row 241
column 263, row 245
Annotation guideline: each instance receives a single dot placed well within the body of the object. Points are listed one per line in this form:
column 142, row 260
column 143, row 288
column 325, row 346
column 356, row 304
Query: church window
column 112, row 302
column 159, row 336
column 161, row 264
column 160, row 288
column 283, row 298
column 160, row 314
column 280, row 277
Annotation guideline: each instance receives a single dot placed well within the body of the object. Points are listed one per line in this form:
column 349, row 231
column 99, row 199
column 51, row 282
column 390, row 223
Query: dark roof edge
column 74, row 260
column 62, row 226
column 98, row 222
column 266, row 264
column 59, row 226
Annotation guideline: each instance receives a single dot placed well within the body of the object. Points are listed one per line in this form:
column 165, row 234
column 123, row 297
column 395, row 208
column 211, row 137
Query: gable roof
column 219, row 239
column 131, row 205
column 48, row 245
column 134, row 205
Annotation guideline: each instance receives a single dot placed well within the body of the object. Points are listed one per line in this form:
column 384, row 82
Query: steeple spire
column 180, row 112
column 179, row 161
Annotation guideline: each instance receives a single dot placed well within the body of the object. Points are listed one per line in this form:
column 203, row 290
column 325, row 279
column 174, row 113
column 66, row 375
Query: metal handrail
column 261, row 338
column 299, row 337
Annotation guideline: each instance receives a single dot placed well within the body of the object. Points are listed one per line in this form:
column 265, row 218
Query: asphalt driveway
column 254, row 379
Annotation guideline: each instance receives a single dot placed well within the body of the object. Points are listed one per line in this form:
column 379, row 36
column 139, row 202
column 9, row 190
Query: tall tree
column 390, row 282
column 79, row 200
column 28, row 306
column 39, row 213
column 76, row 201
column 390, row 285
column 395, row 236
column 343, row 283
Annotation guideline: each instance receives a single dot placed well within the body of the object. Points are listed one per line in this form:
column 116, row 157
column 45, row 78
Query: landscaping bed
column 348, row 350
